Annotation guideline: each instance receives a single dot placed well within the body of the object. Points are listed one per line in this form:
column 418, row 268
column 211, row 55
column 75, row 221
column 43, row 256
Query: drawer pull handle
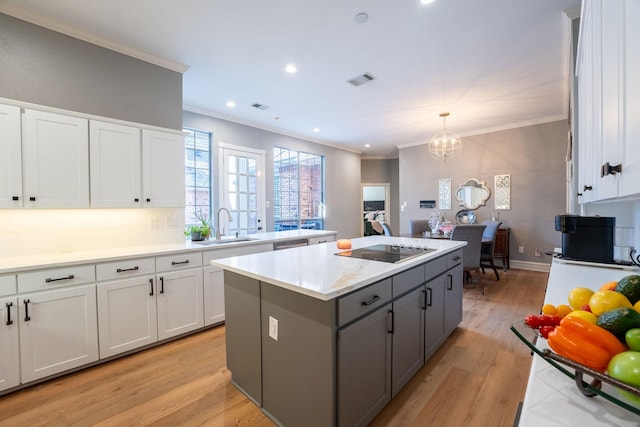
column 457, row 258
column 179, row 262
column 122, row 270
column 151, row 287
column 69, row 277
column 450, row 284
column 162, row 285
column 390, row 315
column 9, row 321
column 371, row 300
column 430, row 293
column 32, row 199
column 26, row 310
column 15, row 198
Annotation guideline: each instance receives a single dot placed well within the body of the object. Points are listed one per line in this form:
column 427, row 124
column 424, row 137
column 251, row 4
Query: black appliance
column 587, row 238
column 386, row 253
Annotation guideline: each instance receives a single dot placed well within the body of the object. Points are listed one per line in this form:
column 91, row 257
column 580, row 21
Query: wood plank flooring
column 476, row 378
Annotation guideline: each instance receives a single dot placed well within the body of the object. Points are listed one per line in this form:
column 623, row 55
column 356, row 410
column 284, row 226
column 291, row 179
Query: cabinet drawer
column 454, row 258
column 321, row 239
column 7, row 285
column 178, row 261
column 56, row 278
column 125, row 268
column 408, row 280
column 361, row 302
column 435, row 268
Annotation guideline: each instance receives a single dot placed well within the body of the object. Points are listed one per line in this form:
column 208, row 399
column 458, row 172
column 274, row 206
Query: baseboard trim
column 528, row 265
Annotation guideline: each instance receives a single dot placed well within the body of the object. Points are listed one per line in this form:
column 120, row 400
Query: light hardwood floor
column 477, row 378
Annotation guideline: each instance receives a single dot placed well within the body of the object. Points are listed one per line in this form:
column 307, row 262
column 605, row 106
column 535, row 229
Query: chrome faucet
column 218, row 234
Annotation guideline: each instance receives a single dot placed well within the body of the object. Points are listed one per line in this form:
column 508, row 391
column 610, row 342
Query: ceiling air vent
column 361, row 79
column 260, row 106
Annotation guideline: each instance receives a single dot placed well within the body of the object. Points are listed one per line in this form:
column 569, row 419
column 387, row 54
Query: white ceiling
column 493, row 64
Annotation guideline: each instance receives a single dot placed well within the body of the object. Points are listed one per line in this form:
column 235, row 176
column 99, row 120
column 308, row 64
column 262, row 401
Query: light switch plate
column 273, row 328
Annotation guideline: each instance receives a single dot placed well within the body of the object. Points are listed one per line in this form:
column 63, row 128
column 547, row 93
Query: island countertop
column 316, row 271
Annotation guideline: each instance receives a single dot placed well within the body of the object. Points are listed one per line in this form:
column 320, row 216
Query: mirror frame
column 475, row 203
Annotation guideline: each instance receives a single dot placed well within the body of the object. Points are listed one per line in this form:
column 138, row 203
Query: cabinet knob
column 587, row 188
column 608, row 169
column 15, row 198
column 136, row 200
column 32, row 199
column 148, row 200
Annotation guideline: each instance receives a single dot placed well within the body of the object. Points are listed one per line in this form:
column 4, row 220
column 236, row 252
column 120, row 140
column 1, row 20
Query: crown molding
column 57, row 26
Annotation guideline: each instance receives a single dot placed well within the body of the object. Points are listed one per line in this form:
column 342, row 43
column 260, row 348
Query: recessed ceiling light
column 291, row 69
column 367, row 145
column 426, row 1
column 231, row 104
column 316, row 129
column 361, row 18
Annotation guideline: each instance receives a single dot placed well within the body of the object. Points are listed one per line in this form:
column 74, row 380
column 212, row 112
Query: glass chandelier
column 446, row 144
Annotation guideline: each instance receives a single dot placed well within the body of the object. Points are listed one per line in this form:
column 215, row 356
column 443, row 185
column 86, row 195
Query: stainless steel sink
column 213, row 242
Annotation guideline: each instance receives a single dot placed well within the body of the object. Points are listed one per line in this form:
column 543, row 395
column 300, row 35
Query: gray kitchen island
column 318, row 336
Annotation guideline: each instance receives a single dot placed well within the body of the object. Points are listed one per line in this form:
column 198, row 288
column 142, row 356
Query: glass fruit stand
column 601, row 385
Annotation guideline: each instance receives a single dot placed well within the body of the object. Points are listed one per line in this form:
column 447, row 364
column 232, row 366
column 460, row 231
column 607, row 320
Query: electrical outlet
column 538, row 253
column 521, row 249
column 153, row 223
column 273, row 328
column 172, row 222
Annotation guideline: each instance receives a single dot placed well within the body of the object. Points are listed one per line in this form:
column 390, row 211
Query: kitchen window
column 298, row 190
column 197, row 169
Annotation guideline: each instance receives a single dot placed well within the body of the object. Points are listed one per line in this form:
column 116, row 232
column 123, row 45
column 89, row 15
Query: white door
column 58, row 331
column 10, row 157
column 9, row 344
column 126, row 315
column 116, row 175
column 242, row 189
column 179, row 302
column 55, row 160
column 162, row 169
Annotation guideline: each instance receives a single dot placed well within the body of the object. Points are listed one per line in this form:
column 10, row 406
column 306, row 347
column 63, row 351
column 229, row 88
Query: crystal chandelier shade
column 444, row 145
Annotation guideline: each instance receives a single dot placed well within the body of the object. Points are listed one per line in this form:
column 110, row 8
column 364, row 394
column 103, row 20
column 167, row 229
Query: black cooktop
column 386, row 253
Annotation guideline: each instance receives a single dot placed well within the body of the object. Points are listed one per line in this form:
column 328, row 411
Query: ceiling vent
column 361, row 79
column 260, row 106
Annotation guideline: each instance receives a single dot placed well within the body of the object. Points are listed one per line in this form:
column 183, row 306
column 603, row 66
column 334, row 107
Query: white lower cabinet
column 213, row 295
column 179, row 300
column 9, row 343
column 126, row 315
column 58, row 330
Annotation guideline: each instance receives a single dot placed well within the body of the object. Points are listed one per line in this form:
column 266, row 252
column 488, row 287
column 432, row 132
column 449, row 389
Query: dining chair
column 472, row 234
column 489, row 243
column 385, row 227
column 418, row 226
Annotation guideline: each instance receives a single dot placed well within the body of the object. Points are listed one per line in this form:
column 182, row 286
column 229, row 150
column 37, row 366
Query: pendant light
column 446, row 144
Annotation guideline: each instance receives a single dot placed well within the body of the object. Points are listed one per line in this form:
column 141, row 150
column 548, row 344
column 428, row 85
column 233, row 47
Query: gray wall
column 342, row 169
column 534, row 156
column 384, row 171
column 43, row 67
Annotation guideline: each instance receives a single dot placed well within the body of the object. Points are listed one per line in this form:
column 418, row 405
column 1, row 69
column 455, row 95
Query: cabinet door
column 452, row 299
column 115, row 165
column 434, row 315
column 9, row 343
column 58, row 331
column 162, row 169
column 10, row 157
column 408, row 338
column 56, row 160
column 364, row 368
column 631, row 97
column 126, row 315
column 179, row 302
column 213, row 295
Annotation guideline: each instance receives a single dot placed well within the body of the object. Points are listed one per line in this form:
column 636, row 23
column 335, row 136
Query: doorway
column 375, row 202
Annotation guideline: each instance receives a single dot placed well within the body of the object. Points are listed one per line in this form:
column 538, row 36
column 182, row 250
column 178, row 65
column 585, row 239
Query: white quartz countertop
column 36, row 261
column 552, row 399
column 317, row 272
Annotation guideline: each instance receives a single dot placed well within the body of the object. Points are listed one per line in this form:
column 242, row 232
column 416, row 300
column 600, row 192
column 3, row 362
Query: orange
column 609, row 286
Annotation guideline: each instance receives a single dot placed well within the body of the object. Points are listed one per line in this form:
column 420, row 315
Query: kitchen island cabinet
column 317, row 339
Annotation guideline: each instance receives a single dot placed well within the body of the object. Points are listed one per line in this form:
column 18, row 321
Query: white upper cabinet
column 55, row 160
column 10, row 157
column 115, row 152
column 162, row 169
column 608, row 100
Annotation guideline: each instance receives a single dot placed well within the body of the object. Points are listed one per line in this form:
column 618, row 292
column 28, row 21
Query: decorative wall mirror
column 473, row 194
